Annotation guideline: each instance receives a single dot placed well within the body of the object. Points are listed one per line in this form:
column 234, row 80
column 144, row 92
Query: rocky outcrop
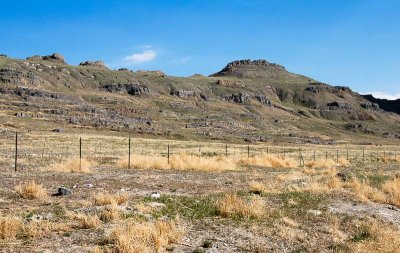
column 340, row 105
column 370, row 106
column 321, row 87
column 56, row 57
column 243, row 98
column 183, row 93
column 99, row 64
column 248, row 68
column 239, row 98
column 130, row 88
column 10, row 75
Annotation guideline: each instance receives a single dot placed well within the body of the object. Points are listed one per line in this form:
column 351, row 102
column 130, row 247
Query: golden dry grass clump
column 104, row 198
column 379, row 239
column 392, row 190
column 364, row 191
column 231, row 205
column 86, row 221
column 272, row 161
column 12, row 227
column 132, row 237
column 179, row 162
column 31, row 190
column 72, row 166
column 326, row 164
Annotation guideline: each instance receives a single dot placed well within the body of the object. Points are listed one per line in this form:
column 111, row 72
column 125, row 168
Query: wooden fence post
column 16, row 152
column 248, row 151
column 226, row 149
column 314, row 155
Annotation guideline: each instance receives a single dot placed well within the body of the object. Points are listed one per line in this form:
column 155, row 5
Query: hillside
column 246, row 101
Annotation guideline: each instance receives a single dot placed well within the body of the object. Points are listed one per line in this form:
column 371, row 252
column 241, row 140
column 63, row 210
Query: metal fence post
column 129, row 153
column 248, row 151
column 226, row 149
column 80, row 152
column 168, row 152
column 16, row 152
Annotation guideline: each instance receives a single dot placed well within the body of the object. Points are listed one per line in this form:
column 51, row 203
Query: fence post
column 347, row 155
column 337, row 156
column 267, row 150
column 363, row 154
column 248, row 151
column 16, row 152
column 168, row 152
column 226, row 149
column 284, row 153
column 199, row 151
column 129, row 153
column 326, row 155
column 314, row 155
column 80, row 153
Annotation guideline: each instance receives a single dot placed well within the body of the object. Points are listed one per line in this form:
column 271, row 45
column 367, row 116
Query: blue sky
column 350, row 42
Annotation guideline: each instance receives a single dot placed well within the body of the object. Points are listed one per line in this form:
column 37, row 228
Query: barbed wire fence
column 19, row 151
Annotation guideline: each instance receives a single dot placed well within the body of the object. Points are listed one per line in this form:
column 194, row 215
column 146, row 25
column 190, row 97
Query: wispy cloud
column 182, row 60
column 383, row 95
column 147, row 54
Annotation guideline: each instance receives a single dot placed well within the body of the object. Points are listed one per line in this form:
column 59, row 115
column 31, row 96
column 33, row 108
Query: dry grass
column 364, row 191
column 72, row 166
column 257, row 187
column 86, row 221
column 12, row 228
column 231, row 205
column 137, row 237
column 379, row 239
column 392, row 190
column 110, row 213
column 103, row 199
column 326, row 164
column 271, row 161
column 31, row 190
column 179, row 162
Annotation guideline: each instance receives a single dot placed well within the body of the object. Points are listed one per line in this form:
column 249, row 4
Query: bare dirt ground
column 305, row 210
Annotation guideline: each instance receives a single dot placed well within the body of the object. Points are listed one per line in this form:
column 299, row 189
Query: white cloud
column 182, row 60
column 145, row 56
column 383, row 95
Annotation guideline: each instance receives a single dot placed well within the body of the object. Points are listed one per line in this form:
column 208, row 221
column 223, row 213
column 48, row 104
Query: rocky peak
column 93, row 63
column 249, row 68
column 53, row 57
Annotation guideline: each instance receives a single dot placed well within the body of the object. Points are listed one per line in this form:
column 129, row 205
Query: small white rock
column 155, row 195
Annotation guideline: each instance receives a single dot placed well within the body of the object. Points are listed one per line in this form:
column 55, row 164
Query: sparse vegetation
column 231, row 205
column 72, row 166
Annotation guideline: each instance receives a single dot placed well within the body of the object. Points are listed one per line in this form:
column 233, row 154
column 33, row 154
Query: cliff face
column 246, row 101
column 387, row 105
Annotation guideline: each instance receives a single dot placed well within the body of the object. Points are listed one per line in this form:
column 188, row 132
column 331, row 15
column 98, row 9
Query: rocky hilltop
column 245, row 101
column 249, row 69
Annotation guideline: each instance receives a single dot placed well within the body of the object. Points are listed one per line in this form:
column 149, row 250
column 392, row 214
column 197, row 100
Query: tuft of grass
column 72, row 166
column 103, row 199
column 232, row 206
column 134, row 236
column 110, row 213
column 10, row 227
column 86, row 221
column 31, row 190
